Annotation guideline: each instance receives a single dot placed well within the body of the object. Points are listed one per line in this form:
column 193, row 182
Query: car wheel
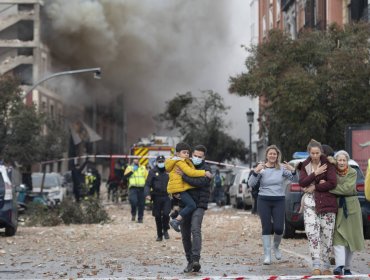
column 289, row 231
column 367, row 232
column 10, row 231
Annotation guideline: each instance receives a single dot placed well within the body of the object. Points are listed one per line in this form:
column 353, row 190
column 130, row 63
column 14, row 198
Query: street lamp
column 97, row 75
column 250, row 118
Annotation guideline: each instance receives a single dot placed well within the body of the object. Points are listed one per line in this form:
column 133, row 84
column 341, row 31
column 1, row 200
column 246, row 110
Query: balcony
column 16, row 43
column 13, row 19
column 13, row 62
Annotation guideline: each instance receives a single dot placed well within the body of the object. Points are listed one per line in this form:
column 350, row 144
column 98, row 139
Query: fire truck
column 149, row 148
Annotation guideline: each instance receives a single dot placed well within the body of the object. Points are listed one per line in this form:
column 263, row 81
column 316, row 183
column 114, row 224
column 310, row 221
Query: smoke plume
column 148, row 50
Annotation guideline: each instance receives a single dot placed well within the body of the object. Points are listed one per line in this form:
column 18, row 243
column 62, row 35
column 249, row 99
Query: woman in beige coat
column 348, row 235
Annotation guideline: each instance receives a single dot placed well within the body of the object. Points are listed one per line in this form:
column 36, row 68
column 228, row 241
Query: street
column 231, row 246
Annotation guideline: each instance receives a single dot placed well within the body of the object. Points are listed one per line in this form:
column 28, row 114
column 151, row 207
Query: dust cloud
column 148, row 51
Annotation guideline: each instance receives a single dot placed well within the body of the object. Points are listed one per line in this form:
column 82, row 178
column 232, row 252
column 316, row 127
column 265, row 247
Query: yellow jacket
column 367, row 182
column 175, row 183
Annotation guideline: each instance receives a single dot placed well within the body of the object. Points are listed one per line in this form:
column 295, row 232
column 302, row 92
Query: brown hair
column 278, row 160
column 314, row 144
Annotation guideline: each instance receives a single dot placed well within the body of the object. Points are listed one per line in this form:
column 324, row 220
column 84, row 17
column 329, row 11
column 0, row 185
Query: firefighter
column 156, row 190
column 136, row 175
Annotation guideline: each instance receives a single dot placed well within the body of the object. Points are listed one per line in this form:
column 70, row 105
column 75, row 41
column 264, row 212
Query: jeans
column 272, row 215
column 137, row 201
column 191, row 233
column 189, row 203
column 161, row 212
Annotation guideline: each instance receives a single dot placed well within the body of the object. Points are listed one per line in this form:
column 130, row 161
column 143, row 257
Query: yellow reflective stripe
column 142, row 152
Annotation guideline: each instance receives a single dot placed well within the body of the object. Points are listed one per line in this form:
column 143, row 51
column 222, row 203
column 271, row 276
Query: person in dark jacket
column 156, row 190
column 191, row 229
column 318, row 176
column 78, row 179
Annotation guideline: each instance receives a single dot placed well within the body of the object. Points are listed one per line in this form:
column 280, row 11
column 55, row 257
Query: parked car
column 53, row 186
column 240, row 192
column 8, row 204
column 293, row 194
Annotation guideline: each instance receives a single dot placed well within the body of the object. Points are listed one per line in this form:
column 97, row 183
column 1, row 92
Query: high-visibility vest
column 89, row 179
column 138, row 177
column 367, row 182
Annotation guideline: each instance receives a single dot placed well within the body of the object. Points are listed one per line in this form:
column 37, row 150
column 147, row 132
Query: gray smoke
column 148, row 50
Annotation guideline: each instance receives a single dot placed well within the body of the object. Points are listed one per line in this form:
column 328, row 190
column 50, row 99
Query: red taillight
column 368, row 218
column 295, row 217
column 295, row 187
column 360, row 187
column 240, row 188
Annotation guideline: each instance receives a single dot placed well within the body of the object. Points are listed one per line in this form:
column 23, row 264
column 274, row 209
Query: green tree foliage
column 200, row 120
column 25, row 136
column 315, row 85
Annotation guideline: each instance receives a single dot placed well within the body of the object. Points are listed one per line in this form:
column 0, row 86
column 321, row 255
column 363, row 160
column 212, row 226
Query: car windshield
column 50, row 181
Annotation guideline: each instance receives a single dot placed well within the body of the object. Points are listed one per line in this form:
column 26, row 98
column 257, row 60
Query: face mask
column 196, row 160
column 160, row 164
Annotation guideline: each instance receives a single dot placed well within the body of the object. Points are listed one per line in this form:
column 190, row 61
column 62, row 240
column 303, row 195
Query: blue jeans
column 189, row 204
column 137, row 201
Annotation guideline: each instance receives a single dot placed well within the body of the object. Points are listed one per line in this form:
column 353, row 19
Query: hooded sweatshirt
column 176, row 183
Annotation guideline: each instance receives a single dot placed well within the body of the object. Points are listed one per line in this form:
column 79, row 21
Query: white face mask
column 196, row 160
column 160, row 164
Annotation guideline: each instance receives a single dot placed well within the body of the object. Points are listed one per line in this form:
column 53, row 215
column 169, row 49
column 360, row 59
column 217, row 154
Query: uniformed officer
column 156, row 190
column 136, row 175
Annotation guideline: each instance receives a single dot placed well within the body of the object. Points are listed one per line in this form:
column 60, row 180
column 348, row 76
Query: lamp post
column 97, row 74
column 250, row 118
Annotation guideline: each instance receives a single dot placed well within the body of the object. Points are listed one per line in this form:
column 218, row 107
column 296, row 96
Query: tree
column 26, row 136
column 314, row 86
column 201, row 121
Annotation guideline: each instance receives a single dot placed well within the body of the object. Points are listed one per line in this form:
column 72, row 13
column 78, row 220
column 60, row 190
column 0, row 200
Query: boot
column 266, row 239
column 277, row 240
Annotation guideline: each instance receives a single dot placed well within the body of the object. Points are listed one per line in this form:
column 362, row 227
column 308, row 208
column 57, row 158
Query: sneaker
column 338, row 270
column 347, row 272
column 196, row 266
column 166, row 235
column 188, row 268
column 175, row 224
column 133, row 219
column 159, row 238
column 140, row 221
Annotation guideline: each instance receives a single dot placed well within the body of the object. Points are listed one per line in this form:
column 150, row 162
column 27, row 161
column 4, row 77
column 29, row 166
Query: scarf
column 342, row 172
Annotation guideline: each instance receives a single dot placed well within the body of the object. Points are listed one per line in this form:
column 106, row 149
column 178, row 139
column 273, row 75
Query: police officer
column 136, row 175
column 156, row 185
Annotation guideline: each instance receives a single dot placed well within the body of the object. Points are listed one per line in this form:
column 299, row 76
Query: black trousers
column 161, row 211
column 191, row 233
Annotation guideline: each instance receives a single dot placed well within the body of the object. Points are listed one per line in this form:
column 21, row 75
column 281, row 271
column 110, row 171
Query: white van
column 240, row 193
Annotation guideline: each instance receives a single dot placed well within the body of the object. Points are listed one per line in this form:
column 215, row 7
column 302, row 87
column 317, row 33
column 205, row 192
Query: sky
column 150, row 50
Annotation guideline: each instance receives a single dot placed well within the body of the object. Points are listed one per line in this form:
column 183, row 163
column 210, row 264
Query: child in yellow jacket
column 176, row 186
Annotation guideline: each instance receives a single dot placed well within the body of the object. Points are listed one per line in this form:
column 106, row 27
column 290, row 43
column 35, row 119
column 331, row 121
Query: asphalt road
column 123, row 249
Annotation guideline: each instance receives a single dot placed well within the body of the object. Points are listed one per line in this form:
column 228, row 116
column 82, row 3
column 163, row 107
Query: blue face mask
column 160, row 164
column 196, row 160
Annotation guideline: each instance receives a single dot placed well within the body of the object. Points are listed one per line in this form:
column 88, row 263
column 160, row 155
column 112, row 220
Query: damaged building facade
column 24, row 54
